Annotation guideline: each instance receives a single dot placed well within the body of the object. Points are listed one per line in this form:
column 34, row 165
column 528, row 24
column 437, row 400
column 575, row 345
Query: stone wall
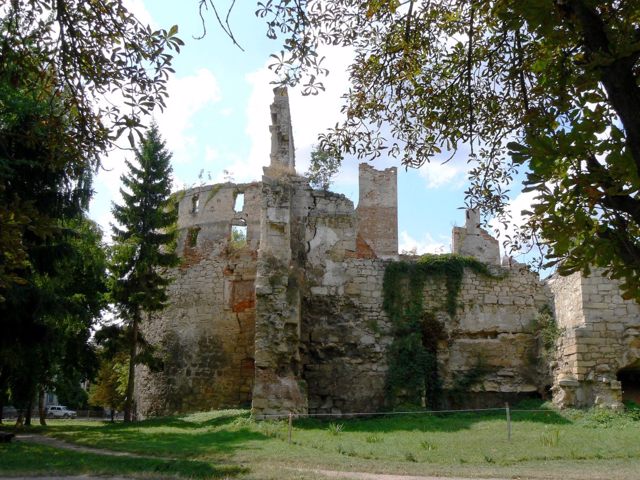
column 278, row 383
column 279, row 303
column 346, row 333
column 493, row 331
column 282, row 148
column 205, row 336
column 345, row 337
column 303, row 304
column 600, row 341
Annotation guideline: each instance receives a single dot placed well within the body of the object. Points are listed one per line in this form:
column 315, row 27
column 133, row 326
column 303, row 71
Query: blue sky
column 217, row 120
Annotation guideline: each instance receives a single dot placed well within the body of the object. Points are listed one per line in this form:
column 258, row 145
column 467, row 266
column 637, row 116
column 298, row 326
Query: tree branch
column 617, row 75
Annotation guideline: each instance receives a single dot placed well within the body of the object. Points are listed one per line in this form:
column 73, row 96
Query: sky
column 216, row 124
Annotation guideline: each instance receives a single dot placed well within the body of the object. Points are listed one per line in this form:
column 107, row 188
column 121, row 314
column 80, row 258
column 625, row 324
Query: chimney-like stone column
column 278, row 387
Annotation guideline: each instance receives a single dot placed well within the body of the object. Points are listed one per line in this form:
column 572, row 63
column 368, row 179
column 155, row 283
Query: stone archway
column 629, row 377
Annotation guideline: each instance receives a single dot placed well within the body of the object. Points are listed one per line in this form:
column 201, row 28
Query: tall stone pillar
column 278, row 386
column 282, row 148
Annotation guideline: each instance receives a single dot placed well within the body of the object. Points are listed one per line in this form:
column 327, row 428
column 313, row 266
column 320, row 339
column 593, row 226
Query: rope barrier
column 371, row 414
column 291, row 415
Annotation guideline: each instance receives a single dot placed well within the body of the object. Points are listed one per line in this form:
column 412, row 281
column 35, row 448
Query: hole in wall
column 238, row 238
column 238, row 205
column 195, row 203
column 630, row 379
column 192, row 236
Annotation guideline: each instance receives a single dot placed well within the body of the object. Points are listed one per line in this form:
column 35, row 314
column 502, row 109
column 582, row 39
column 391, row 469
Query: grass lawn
column 229, row 444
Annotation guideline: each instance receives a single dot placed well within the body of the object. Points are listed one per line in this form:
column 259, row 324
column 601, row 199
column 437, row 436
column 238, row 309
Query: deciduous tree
column 109, row 389
column 65, row 66
column 323, row 166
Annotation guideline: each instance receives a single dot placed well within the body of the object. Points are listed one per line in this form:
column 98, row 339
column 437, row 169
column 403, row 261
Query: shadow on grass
column 215, row 435
column 25, row 458
column 189, row 444
column 433, row 421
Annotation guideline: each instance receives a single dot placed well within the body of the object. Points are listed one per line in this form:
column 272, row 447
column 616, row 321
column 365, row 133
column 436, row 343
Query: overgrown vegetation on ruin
column 416, row 330
column 548, row 333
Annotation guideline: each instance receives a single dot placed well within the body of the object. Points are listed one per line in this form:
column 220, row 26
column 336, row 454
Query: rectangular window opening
column 192, row 236
column 238, row 236
column 195, row 204
column 238, row 206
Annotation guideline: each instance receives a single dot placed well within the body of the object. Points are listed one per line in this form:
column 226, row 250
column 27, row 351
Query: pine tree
column 144, row 244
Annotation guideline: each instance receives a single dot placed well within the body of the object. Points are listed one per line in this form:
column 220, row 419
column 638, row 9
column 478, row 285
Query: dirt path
column 75, row 477
column 383, row 476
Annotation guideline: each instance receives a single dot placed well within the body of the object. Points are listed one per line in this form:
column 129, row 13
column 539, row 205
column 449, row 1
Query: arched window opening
column 192, row 236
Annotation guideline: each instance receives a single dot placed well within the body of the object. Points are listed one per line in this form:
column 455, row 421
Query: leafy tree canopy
column 95, row 49
column 110, row 386
column 47, row 321
column 74, row 76
column 323, row 166
column 545, row 87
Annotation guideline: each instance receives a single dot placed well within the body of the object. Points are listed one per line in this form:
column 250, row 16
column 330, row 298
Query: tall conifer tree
column 144, row 244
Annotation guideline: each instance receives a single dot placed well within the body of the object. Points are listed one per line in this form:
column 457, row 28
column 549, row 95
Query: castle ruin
column 278, row 305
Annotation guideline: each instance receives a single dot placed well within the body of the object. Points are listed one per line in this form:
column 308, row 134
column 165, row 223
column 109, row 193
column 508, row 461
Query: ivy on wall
column 413, row 365
column 548, row 332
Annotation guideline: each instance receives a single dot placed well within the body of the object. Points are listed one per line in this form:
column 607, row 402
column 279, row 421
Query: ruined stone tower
column 278, row 305
column 474, row 241
column 378, row 210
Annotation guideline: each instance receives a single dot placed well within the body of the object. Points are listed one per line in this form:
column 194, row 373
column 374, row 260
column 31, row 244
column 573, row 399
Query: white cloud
column 438, row 174
column 425, row 245
column 312, row 115
column 187, row 96
column 211, row 154
column 140, row 11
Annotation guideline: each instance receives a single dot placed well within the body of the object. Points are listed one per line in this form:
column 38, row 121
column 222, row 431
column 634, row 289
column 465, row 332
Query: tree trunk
column 3, row 397
column 41, row 410
column 20, row 419
column 113, row 415
column 27, row 414
column 128, row 403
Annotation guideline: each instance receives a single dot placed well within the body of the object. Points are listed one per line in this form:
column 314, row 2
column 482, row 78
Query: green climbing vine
column 548, row 333
column 413, row 366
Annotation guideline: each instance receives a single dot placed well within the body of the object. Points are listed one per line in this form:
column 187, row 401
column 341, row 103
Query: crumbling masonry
column 278, row 305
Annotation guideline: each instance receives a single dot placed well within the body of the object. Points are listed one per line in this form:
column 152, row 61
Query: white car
column 60, row 411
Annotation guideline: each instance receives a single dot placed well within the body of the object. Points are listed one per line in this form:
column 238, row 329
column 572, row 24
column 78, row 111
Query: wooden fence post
column 508, row 421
